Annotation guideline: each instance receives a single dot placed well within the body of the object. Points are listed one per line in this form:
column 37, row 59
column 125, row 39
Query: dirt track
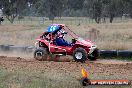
column 108, row 68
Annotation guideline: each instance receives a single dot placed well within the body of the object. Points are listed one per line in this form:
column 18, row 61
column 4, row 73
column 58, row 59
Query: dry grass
column 19, row 34
column 116, row 36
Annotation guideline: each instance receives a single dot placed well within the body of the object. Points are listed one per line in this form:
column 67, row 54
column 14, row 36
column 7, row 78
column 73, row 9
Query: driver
column 60, row 41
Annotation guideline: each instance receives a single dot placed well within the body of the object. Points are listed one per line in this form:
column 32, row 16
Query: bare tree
column 11, row 8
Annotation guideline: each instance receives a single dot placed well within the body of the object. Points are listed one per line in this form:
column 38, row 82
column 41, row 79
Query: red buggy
column 81, row 49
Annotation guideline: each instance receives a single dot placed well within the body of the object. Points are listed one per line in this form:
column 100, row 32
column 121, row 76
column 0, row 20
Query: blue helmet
column 53, row 28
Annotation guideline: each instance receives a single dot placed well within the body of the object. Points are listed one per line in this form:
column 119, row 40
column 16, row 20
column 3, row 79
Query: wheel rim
column 39, row 54
column 78, row 55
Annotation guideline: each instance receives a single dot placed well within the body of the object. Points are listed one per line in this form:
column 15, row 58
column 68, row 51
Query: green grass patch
column 26, row 79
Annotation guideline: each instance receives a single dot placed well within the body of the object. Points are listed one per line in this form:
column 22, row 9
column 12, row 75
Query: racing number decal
column 52, row 28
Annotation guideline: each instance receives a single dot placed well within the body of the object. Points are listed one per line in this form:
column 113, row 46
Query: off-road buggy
column 81, row 49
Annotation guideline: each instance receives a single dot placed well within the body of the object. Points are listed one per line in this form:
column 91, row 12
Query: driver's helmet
column 61, row 34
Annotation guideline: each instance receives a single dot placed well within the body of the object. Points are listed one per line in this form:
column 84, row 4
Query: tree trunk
column 97, row 20
column 111, row 18
column 11, row 18
column 131, row 14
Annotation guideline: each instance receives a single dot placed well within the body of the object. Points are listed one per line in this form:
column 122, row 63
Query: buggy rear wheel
column 80, row 55
column 41, row 54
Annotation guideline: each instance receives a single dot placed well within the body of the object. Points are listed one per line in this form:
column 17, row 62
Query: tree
column 11, row 8
column 94, row 8
column 116, row 8
column 97, row 10
column 78, row 4
column 60, row 6
column 129, row 7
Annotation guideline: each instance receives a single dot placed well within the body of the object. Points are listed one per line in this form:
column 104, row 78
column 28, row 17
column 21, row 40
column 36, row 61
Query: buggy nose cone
column 92, row 48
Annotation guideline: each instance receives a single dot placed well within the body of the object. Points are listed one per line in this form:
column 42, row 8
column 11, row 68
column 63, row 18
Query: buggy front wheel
column 80, row 55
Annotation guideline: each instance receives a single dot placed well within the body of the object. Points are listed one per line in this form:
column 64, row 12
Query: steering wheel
column 74, row 41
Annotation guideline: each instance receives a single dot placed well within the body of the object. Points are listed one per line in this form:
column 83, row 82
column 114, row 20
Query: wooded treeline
column 95, row 9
